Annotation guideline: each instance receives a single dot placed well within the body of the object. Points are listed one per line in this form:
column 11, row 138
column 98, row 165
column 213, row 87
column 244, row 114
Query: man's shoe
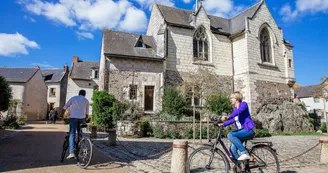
column 244, row 157
column 71, row 156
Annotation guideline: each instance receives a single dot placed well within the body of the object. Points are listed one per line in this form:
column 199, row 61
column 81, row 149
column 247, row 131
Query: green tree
column 5, row 94
column 218, row 103
column 174, row 102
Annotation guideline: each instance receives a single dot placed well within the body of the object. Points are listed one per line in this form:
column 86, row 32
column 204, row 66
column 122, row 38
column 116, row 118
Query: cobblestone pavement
column 286, row 146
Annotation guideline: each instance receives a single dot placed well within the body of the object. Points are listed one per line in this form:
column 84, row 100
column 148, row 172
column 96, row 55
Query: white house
column 84, row 75
column 247, row 53
column 29, row 88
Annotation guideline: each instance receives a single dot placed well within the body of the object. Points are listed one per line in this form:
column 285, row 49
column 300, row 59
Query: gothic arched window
column 200, row 44
column 266, row 50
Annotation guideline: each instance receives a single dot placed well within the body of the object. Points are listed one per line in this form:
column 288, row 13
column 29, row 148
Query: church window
column 133, row 92
column 200, row 45
column 265, row 45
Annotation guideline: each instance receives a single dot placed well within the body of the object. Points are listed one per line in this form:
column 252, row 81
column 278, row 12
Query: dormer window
column 140, row 43
column 95, row 74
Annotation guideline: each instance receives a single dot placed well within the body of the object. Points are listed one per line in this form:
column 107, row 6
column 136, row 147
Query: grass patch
column 298, row 134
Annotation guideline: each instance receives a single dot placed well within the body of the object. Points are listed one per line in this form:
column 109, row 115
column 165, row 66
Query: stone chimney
column 75, row 59
column 36, row 67
column 66, row 68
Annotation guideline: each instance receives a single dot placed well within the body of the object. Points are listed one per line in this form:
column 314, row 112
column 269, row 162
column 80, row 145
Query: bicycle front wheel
column 204, row 159
column 84, row 154
column 264, row 159
column 65, row 148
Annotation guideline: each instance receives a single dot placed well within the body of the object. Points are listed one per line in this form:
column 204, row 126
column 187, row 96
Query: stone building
column 247, row 53
column 56, row 81
column 84, row 75
column 29, row 90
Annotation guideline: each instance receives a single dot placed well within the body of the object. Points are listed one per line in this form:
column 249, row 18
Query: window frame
column 201, row 41
column 133, row 92
column 266, row 48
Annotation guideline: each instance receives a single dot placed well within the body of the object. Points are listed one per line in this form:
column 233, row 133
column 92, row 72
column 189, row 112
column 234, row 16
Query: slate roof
column 18, row 74
column 307, row 91
column 83, row 69
column 123, row 44
column 230, row 26
column 53, row 75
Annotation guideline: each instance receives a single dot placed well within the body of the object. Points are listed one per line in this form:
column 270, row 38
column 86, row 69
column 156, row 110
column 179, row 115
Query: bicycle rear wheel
column 203, row 159
column 84, row 154
column 265, row 159
column 65, row 148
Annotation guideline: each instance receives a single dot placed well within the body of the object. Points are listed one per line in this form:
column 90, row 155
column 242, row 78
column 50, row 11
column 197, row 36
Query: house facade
column 56, row 81
column 246, row 53
column 310, row 96
column 83, row 75
column 29, row 90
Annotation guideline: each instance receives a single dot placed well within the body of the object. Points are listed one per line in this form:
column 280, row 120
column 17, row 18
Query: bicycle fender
column 264, row 145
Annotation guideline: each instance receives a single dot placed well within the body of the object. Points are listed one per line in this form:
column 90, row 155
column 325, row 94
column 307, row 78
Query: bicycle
column 83, row 149
column 206, row 158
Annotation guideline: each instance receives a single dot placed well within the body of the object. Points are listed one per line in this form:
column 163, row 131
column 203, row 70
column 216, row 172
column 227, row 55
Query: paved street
column 37, row 148
column 287, row 147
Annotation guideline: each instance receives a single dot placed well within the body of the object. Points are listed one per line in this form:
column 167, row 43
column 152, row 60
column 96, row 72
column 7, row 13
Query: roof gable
column 52, row 75
column 18, row 74
column 232, row 26
column 307, row 91
column 83, row 70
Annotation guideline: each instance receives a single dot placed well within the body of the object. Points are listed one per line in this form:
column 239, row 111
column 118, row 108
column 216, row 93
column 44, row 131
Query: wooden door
column 149, row 98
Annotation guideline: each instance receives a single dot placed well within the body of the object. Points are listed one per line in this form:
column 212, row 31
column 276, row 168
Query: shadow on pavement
column 39, row 149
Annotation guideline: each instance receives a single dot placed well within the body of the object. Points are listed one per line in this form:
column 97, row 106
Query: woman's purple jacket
column 244, row 117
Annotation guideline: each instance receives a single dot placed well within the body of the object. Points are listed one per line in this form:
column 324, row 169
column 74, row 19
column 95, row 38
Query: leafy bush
column 145, row 128
column 10, row 122
column 131, row 111
column 174, row 102
column 103, row 113
column 262, row 133
column 172, row 134
column 158, row 132
column 218, row 103
column 21, row 120
column 5, row 94
column 323, row 128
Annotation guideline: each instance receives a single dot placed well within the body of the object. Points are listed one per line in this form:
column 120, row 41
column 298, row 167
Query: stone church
column 247, row 53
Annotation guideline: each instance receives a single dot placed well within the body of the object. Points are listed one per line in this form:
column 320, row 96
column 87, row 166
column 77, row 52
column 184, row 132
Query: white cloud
column 148, row 3
column 223, row 8
column 83, row 35
column 186, row 1
column 29, row 18
column 87, row 15
column 302, row 7
column 43, row 64
column 135, row 20
column 12, row 44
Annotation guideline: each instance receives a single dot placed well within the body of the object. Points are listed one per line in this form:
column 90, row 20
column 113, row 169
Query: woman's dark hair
column 82, row 92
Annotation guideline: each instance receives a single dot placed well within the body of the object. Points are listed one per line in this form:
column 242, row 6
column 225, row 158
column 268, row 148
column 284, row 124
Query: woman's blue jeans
column 237, row 138
column 74, row 125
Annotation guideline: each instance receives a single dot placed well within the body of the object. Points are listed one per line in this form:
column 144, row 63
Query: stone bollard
column 112, row 137
column 179, row 156
column 324, row 149
column 94, row 132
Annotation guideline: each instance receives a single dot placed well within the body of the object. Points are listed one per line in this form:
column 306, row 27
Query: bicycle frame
column 233, row 160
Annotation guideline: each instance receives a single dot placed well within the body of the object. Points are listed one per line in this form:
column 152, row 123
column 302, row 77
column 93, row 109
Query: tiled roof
column 307, row 91
column 124, row 44
column 83, row 70
column 18, row 74
column 53, row 75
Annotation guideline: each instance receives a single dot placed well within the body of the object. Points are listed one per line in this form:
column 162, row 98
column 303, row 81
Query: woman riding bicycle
column 243, row 123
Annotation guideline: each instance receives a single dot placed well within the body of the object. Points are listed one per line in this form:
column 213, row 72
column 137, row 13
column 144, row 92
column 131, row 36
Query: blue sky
column 50, row 32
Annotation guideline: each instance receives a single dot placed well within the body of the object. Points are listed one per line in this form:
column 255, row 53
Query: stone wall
column 266, row 92
column 124, row 72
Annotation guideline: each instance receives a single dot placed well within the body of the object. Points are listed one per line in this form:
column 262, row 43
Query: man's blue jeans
column 237, row 138
column 74, row 125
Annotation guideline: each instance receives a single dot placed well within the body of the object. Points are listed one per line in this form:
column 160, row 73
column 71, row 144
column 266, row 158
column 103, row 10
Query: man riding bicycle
column 79, row 112
column 243, row 123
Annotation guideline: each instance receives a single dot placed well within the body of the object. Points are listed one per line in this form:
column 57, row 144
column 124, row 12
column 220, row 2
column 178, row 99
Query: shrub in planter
column 323, row 128
column 146, row 128
column 103, row 110
column 218, row 103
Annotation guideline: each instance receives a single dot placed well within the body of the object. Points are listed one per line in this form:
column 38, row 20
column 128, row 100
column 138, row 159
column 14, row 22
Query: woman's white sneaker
column 244, row 157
